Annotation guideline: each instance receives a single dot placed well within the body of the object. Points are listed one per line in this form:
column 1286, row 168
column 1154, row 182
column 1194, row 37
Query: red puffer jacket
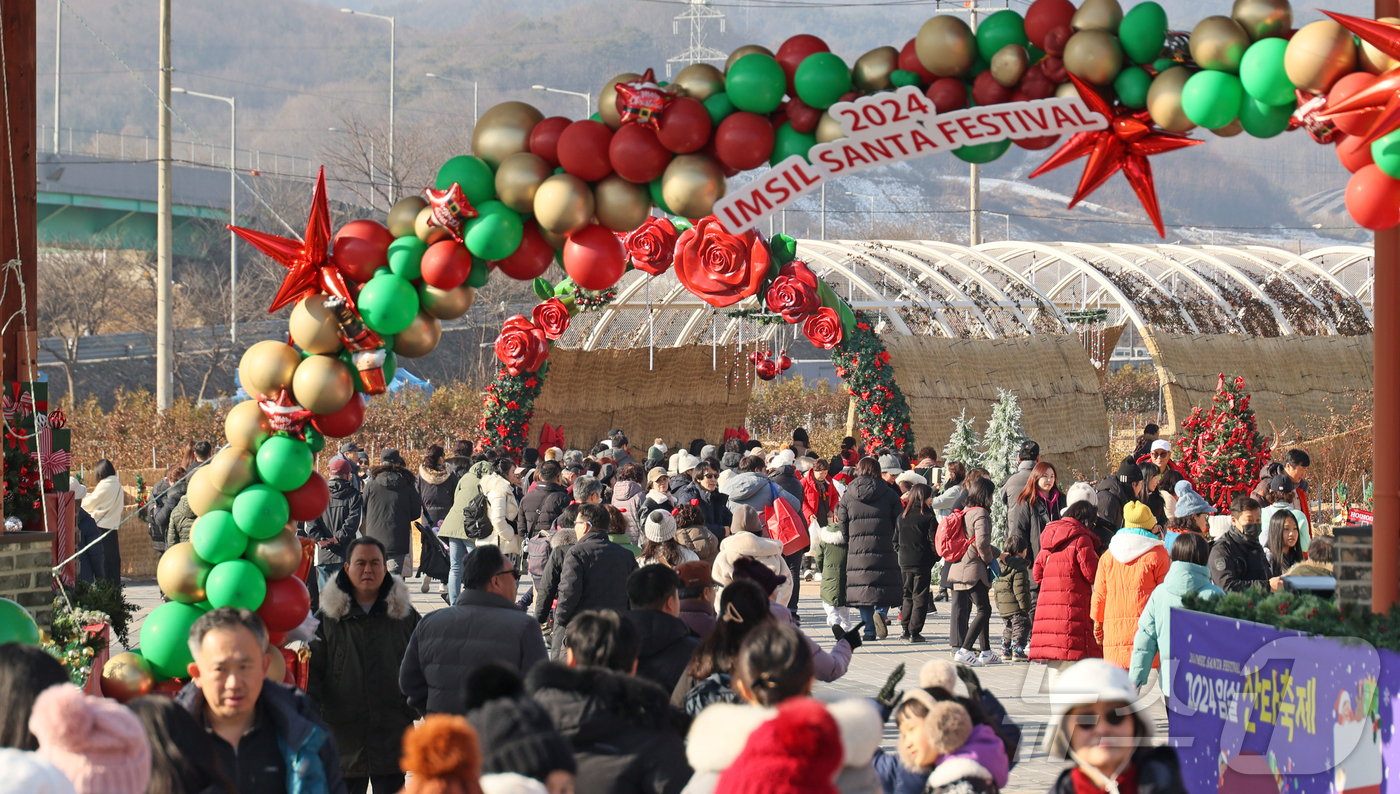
column 813, row 494
column 1065, row 569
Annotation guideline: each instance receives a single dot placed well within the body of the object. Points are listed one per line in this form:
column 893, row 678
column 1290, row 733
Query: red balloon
column 310, row 500
column 1043, row 15
column 583, row 149
column 1056, row 40
column 803, row 117
column 594, row 257
column 711, row 152
column 947, row 94
column 1054, row 68
column 1352, row 123
column 1036, row 84
column 360, row 248
column 1373, row 199
column 987, row 91
column 1353, row 152
column 909, row 62
column 744, row 140
column 1036, row 144
column 287, row 604
column 544, row 138
column 794, row 51
column 534, row 255
column 277, row 638
column 685, row 126
column 344, row 422
column 446, row 264
column 170, row 687
column 637, row 155
column 777, row 120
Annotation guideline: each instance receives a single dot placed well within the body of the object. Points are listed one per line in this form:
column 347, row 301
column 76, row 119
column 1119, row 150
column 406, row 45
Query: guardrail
column 142, row 148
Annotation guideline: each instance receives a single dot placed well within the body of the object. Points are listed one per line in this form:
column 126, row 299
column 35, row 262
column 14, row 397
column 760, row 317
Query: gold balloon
column 692, row 184
column 699, row 81
column 266, row 368
column 313, row 327
column 246, row 426
column 747, row 49
column 607, row 100
column 621, row 205
column 278, row 556
column 446, row 304
column 1094, row 56
column 1262, row 19
column 873, row 69
column 126, row 676
column 322, row 384
column 504, row 130
column 1219, row 43
column 1098, row 15
column 563, row 204
column 203, row 496
column 518, row 178
column 556, row 241
column 426, row 232
column 181, row 573
column 403, row 213
column 231, row 470
column 1373, row 60
column 946, row 46
column 420, row 337
column 1164, row 100
column 1009, row 64
column 829, row 129
column 277, row 671
column 1318, row 55
column 1066, row 90
column 1230, row 130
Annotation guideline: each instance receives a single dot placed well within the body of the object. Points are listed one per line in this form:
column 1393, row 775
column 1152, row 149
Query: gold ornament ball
column 181, row 574
column 556, row 241
column 127, row 676
column 1098, row 15
column 313, row 327
column 1230, row 130
column 246, row 426
column 1164, row 100
column 420, row 337
column 1094, row 56
column 872, row 70
column 1009, row 64
column 277, row 671
column 829, row 129
column 692, row 184
column 1219, row 43
column 946, row 46
column 607, row 100
column 1263, row 19
column 747, row 49
column 621, row 205
column 518, row 178
column 1373, row 60
column 203, row 496
column 427, row 232
column 564, row 204
column 504, row 130
column 446, row 304
column 403, row 214
column 277, row 557
column 231, row 470
column 1066, row 90
column 266, row 368
column 322, row 384
column 1318, row 55
column 699, row 81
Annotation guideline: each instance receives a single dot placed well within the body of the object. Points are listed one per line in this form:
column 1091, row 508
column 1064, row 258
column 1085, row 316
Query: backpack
column 476, row 518
column 537, row 552
column 952, row 539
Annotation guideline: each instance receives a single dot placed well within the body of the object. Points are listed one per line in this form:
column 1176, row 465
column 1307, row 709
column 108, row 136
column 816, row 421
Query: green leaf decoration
column 543, row 289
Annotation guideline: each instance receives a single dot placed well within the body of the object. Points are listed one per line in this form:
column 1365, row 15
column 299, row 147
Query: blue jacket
column 1154, row 626
column 896, row 778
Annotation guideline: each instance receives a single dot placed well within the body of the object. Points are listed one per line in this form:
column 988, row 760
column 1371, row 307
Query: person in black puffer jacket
column 918, row 553
column 391, row 507
column 338, row 526
column 436, row 485
column 1117, row 490
column 785, row 477
column 866, row 516
column 704, row 493
column 544, row 502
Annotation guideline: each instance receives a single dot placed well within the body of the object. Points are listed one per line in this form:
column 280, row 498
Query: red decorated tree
column 1222, row 448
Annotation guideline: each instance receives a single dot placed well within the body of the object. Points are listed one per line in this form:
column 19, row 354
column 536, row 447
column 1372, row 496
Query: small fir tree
column 1222, row 448
column 1002, row 445
column 963, row 445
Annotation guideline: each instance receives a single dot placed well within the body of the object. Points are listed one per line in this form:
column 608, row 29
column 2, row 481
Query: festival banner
column 1258, row 709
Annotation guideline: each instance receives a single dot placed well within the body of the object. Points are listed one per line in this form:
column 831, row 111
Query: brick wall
column 26, row 572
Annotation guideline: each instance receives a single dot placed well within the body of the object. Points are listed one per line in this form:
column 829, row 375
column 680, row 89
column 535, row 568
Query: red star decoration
column 451, row 209
column 310, row 268
column 1127, row 143
column 1382, row 97
column 643, row 101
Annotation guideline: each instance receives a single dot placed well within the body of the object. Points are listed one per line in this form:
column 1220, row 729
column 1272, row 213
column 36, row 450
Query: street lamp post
column 872, row 210
column 232, row 205
column 392, row 193
column 587, row 98
column 458, row 80
column 371, row 163
column 1004, row 217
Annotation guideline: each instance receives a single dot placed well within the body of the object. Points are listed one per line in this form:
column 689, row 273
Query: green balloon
column 217, row 538
column 406, row 257
column 783, row 248
column 165, row 638
column 1131, row 85
column 756, row 83
column 982, row 153
column 1162, row 64
column 1266, row 121
column 719, row 106
column 16, row 624
column 1386, row 152
column 472, row 173
column 388, row 303
column 390, row 366
column 1263, row 75
column 789, row 141
column 481, row 271
column 1212, row 99
column 655, row 188
column 821, row 79
column 900, row 78
column 1143, row 32
column 314, row 439
column 284, row 463
column 495, row 232
column 260, row 511
column 236, row 583
column 998, row 30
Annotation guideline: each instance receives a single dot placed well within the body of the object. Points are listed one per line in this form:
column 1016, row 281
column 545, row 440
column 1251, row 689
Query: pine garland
column 1303, row 612
column 1222, row 448
column 881, row 410
column 23, row 499
column 509, row 404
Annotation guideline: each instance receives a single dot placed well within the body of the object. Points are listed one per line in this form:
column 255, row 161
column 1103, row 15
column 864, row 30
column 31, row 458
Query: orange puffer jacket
column 1135, row 563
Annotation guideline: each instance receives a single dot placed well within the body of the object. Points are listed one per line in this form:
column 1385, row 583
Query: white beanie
column 27, row 773
column 1080, row 492
column 660, row 526
column 511, row 783
column 1088, row 681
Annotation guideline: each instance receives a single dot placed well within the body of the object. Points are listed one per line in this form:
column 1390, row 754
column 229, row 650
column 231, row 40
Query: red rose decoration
column 793, row 293
column 823, row 328
column 521, row 346
column 651, row 246
column 552, row 317
column 719, row 267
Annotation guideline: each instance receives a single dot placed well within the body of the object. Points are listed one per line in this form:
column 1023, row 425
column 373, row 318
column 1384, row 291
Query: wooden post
column 18, row 227
column 851, row 418
column 1385, row 462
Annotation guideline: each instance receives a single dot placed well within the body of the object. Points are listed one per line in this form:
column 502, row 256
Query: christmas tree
column 1002, row 445
column 963, row 444
column 1222, row 448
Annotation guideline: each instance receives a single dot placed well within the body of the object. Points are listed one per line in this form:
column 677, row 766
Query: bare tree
column 357, row 158
column 79, row 295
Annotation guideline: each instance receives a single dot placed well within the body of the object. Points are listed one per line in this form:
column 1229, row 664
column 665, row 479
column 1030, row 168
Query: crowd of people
column 625, row 626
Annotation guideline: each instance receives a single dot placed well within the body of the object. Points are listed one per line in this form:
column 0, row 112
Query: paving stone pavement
column 1022, row 688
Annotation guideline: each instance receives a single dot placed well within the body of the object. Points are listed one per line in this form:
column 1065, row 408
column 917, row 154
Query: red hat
column 341, row 466
column 797, row 752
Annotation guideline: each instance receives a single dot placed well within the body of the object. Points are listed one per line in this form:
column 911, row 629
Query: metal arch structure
column 998, row 289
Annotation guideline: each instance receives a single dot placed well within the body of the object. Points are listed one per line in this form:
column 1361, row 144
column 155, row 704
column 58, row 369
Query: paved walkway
column 1022, row 688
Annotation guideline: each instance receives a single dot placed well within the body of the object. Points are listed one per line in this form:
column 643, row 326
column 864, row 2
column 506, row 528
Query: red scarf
column 1127, row 782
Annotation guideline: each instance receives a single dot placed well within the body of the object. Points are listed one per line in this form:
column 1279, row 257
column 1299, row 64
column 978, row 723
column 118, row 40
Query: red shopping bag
column 784, row 524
